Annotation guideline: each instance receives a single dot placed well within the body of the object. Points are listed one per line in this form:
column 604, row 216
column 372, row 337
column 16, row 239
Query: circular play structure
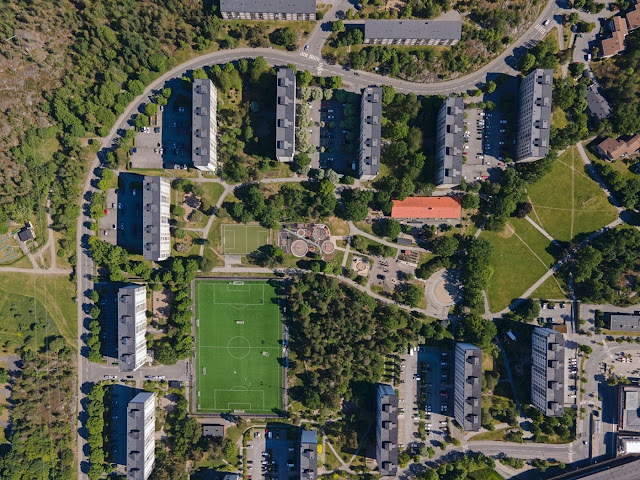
column 299, row 248
column 328, row 247
column 319, row 233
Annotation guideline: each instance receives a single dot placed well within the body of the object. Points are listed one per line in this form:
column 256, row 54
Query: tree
column 490, row 87
column 304, row 78
column 445, row 246
column 150, row 109
column 527, row 62
column 267, row 256
column 4, row 375
column 470, row 201
column 336, row 82
column 414, row 295
column 529, row 309
column 476, row 330
column 523, row 209
column 337, row 26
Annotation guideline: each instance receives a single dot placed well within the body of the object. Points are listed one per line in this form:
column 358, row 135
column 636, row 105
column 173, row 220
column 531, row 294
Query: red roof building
column 428, row 208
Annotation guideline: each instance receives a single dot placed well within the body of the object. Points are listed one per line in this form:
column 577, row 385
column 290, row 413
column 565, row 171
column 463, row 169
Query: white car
column 546, row 22
column 306, row 47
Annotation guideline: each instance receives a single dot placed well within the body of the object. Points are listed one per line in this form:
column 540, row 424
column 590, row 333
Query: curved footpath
column 302, row 60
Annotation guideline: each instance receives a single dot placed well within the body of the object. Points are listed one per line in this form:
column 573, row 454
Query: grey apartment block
column 597, row 104
column 370, row 133
column 141, row 436
column 285, row 114
column 625, row 322
column 467, row 386
column 534, row 116
column 449, row 141
column 156, row 202
column 412, row 32
column 204, row 125
column 132, row 327
column 308, row 463
column 547, row 371
column 268, row 9
column 387, row 430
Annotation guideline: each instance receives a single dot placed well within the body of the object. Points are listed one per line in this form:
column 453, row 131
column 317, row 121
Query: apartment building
column 370, row 133
column 156, row 202
column 204, row 125
column 268, row 9
column 547, row 371
column 387, row 430
column 285, row 114
column 468, row 386
column 308, row 460
column 449, row 142
column 141, row 436
column 132, row 327
column 412, row 32
column 534, row 116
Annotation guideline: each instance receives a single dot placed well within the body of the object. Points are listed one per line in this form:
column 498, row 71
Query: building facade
column 629, row 408
column 156, row 203
column 534, row 116
column 204, row 123
column 614, row 148
column 547, row 371
column 467, row 386
column 449, row 142
column 387, row 430
column 412, row 32
column 132, row 327
column 285, row 114
column 308, row 460
column 370, row 133
column 141, row 436
column 268, row 9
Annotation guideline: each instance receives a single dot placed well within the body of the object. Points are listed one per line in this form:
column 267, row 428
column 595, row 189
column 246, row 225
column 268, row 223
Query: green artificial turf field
column 238, row 334
column 243, row 239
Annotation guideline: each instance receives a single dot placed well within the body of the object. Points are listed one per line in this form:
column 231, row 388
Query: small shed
column 26, row 233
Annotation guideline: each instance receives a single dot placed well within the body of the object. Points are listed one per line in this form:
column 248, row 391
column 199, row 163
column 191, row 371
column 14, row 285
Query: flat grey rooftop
column 419, row 29
column 268, row 6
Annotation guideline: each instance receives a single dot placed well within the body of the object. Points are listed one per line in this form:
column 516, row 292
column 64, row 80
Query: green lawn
column 519, row 259
column 212, row 191
column 25, row 298
column 485, row 474
column 238, row 334
column 496, row 435
column 567, row 202
column 550, row 289
column 243, row 239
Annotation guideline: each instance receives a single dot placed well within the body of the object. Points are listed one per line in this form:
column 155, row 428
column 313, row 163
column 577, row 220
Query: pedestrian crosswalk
column 541, row 29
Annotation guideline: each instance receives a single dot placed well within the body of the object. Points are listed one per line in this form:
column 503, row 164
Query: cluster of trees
column 590, row 6
column 40, row 440
column 94, row 342
column 285, row 37
column 95, row 427
column 627, row 190
column 409, row 294
column 543, row 427
column 512, row 462
column 475, row 272
column 387, row 227
column 476, row 330
column 462, row 468
column 313, row 201
column 571, row 96
column 184, row 443
column 541, row 56
column 343, row 38
column 342, row 335
column 620, row 84
column 403, row 63
column 501, row 409
column 606, row 270
column 115, row 261
column 177, row 277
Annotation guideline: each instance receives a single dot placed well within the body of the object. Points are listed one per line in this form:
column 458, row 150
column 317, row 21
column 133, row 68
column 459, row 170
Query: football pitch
column 238, row 334
column 243, row 239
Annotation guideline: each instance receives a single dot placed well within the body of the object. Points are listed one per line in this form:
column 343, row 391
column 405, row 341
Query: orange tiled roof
column 427, row 207
column 633, row 17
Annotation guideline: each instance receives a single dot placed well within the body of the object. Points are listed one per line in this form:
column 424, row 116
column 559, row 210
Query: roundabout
column 442, row 290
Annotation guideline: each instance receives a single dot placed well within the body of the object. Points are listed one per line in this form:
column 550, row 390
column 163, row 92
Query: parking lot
column 273, row 453
column 556, row 313
column 167, row 142
column 388, row 273
column 439, row 394
column 129, row 216
column 108, row 225
column 335, row 138
column 407, row 400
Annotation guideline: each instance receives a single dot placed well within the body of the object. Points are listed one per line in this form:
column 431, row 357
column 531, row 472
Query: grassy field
column 238, row 334
column 567, row 202
column 552, row 288
column 485, row 474
column 520, row 257
column 496, row 435
column 25, row 298
column 243, row 239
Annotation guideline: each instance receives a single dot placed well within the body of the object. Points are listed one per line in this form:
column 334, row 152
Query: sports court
column 238, row 334
column 243, row 239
